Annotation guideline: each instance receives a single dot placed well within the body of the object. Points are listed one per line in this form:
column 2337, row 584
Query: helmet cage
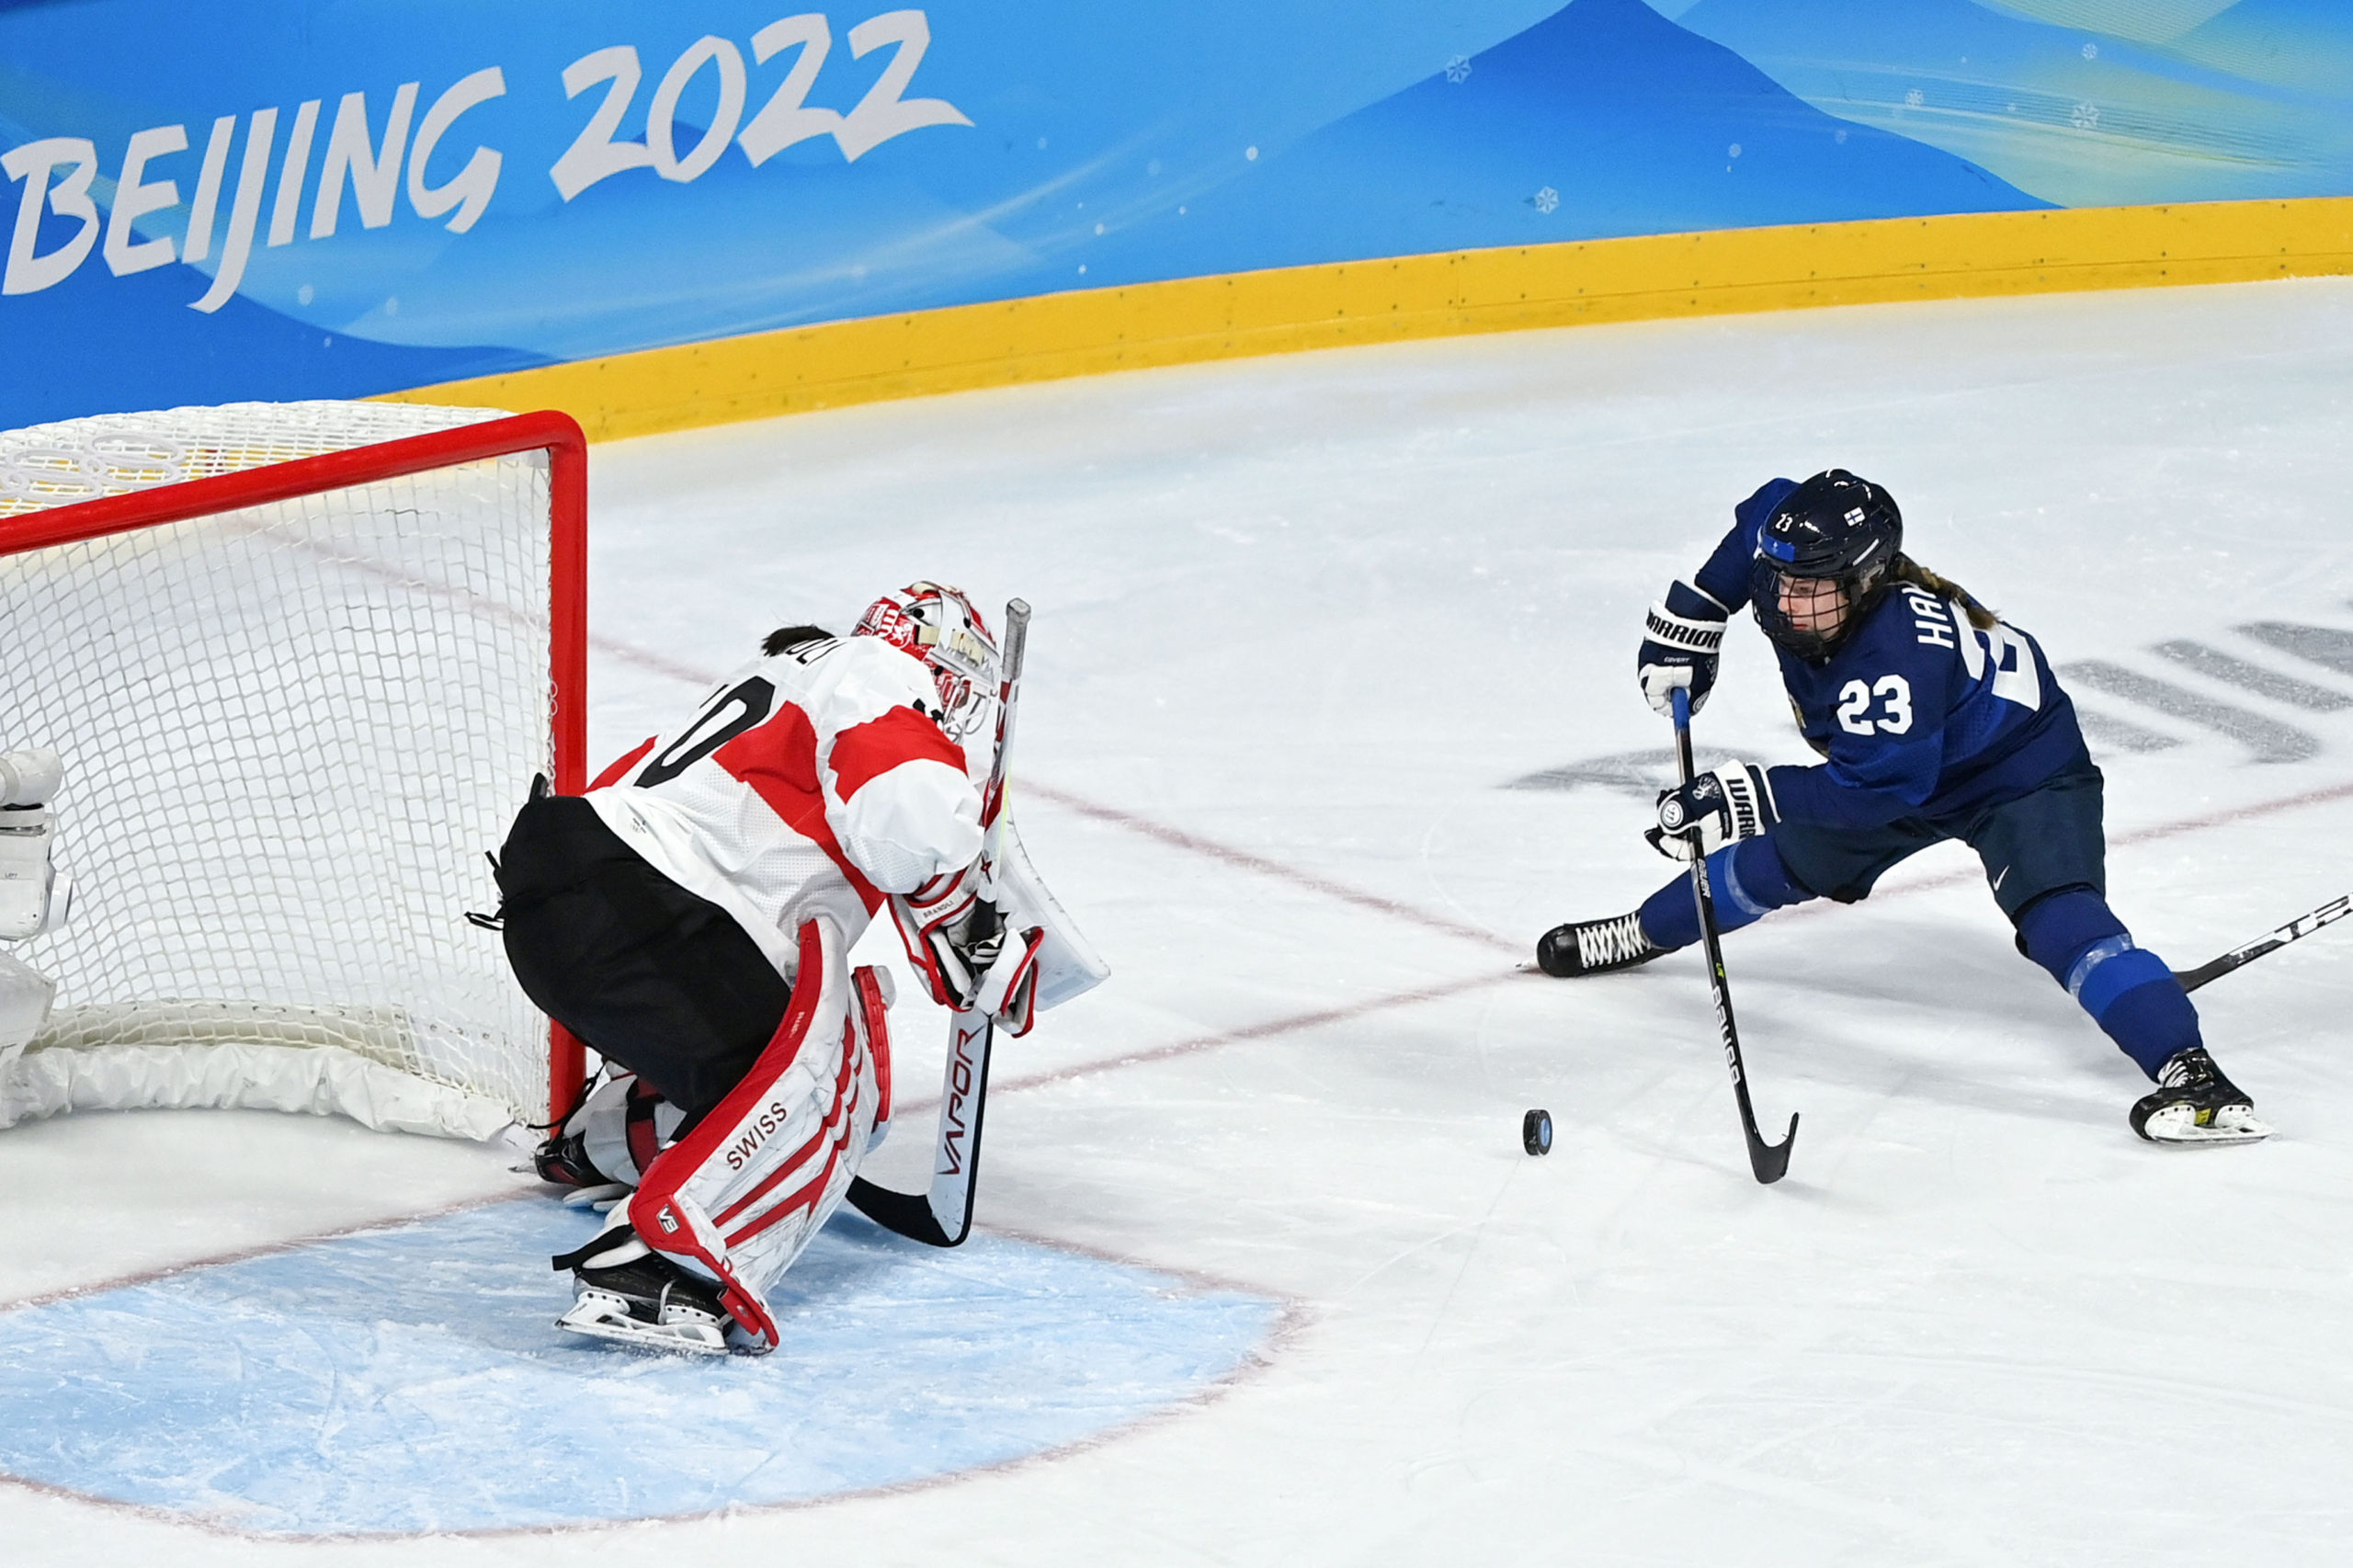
column 1834, row 528
column 938, row 625
column 1860, row 590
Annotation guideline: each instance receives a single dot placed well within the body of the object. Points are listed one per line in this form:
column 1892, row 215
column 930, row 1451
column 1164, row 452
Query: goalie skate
column 631, row 1295
column 2195, row 1104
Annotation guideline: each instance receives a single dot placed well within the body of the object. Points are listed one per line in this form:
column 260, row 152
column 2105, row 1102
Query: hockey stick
column 1769, row 1161
column 2301, row 925
column 942, row 1216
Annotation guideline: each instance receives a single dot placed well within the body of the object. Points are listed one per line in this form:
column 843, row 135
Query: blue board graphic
column 409, row 1380
column 207, row 200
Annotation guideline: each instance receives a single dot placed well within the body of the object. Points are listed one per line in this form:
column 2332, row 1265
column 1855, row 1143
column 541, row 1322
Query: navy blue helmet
column 1823, row 561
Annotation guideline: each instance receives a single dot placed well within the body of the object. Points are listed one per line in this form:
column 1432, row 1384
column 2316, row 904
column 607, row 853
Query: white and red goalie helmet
column 938, row 625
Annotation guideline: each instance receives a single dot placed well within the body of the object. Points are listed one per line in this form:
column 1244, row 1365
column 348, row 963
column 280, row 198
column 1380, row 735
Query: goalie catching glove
column 1730, row 803
column 968, row 958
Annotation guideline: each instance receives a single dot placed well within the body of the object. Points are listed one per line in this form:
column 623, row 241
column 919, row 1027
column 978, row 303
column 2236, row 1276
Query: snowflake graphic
column 1914, row 98
column 2086, row 116
column 1458, row 69
column 1546, row 200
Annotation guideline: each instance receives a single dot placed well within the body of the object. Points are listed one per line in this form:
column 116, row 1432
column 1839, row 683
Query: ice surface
column 1302, row 625
column 412, row 1378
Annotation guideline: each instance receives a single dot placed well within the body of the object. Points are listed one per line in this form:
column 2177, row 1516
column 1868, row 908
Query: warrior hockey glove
column 1681, row 640
column 1730, row 803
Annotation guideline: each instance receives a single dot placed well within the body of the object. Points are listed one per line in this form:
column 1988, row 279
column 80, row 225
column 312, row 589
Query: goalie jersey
column 814, row 781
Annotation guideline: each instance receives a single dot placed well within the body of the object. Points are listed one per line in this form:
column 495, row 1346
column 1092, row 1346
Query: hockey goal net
column 302, row 662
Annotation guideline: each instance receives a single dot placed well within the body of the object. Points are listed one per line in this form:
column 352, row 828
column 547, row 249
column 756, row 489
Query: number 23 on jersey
column 1894, row 700
column 1884, row 706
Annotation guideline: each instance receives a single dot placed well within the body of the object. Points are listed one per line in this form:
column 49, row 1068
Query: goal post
column 302, row 662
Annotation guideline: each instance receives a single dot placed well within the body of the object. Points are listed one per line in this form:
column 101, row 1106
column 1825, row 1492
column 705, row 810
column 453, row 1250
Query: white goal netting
column 289, row 732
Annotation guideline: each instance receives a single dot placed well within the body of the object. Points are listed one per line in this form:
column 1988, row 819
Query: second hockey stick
column 2271, row 941
column 941, row 1216
column 1769, row 1161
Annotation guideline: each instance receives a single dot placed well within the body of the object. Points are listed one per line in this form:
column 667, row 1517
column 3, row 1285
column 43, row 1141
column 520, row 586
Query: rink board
column 410, row 1379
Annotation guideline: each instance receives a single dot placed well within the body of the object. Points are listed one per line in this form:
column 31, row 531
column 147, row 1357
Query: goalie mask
column 1823, row 560
column 938, row 625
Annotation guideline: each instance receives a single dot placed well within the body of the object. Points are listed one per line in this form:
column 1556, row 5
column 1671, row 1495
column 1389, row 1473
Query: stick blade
column 903, row 1214
column 1771, row 1160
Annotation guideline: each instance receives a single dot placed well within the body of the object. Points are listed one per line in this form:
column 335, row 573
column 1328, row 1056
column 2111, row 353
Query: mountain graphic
column 2255, row 102
column 1603, row 119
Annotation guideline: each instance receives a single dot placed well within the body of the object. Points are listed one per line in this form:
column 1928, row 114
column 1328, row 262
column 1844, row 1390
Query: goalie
column 689, row 916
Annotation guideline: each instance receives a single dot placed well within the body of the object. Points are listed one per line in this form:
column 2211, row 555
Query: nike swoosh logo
column 1997, row 881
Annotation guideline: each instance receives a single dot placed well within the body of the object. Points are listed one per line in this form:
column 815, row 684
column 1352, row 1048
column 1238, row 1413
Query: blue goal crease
column 411, row 1379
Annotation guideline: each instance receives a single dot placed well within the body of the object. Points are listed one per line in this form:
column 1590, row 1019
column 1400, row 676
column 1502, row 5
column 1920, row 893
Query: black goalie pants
column 645, row 973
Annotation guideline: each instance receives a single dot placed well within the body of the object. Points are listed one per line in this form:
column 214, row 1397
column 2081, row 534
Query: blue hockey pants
column 2044, row 854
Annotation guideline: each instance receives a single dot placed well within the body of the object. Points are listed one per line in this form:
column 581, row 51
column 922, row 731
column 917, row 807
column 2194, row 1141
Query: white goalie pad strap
column 740, row 1196
column 1663, row 625
column 623, row 1126
column 1066, row 964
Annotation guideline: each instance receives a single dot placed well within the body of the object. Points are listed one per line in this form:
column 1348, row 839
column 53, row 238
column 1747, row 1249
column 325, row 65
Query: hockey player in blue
column 1935, row 720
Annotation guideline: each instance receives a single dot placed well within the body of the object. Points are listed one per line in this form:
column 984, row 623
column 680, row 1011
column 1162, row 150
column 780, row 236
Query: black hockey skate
column 563, row 1161
column 626, row 1292
column 1596, row 946
column 2195, row 1104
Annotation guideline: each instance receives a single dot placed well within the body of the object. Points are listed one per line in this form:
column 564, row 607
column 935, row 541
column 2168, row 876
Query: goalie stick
column 1769, row 1161
column 942, row 1216
column 2301, row 925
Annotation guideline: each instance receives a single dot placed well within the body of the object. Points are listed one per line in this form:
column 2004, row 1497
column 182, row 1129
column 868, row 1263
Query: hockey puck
column 1536, row 1131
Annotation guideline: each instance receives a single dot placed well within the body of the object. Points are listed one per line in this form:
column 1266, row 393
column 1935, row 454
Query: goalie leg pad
column 615, row 1134
column 742, row 1193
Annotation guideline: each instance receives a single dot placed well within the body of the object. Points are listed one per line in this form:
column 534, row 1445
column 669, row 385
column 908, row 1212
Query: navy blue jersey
column 1920, row 713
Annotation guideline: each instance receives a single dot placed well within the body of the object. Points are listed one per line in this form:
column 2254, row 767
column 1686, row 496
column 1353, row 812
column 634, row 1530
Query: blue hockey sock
column 2128, row 990
column 1748, row 880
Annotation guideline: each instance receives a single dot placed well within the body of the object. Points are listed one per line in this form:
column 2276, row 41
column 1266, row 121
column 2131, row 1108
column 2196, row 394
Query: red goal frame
column 551, row 431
